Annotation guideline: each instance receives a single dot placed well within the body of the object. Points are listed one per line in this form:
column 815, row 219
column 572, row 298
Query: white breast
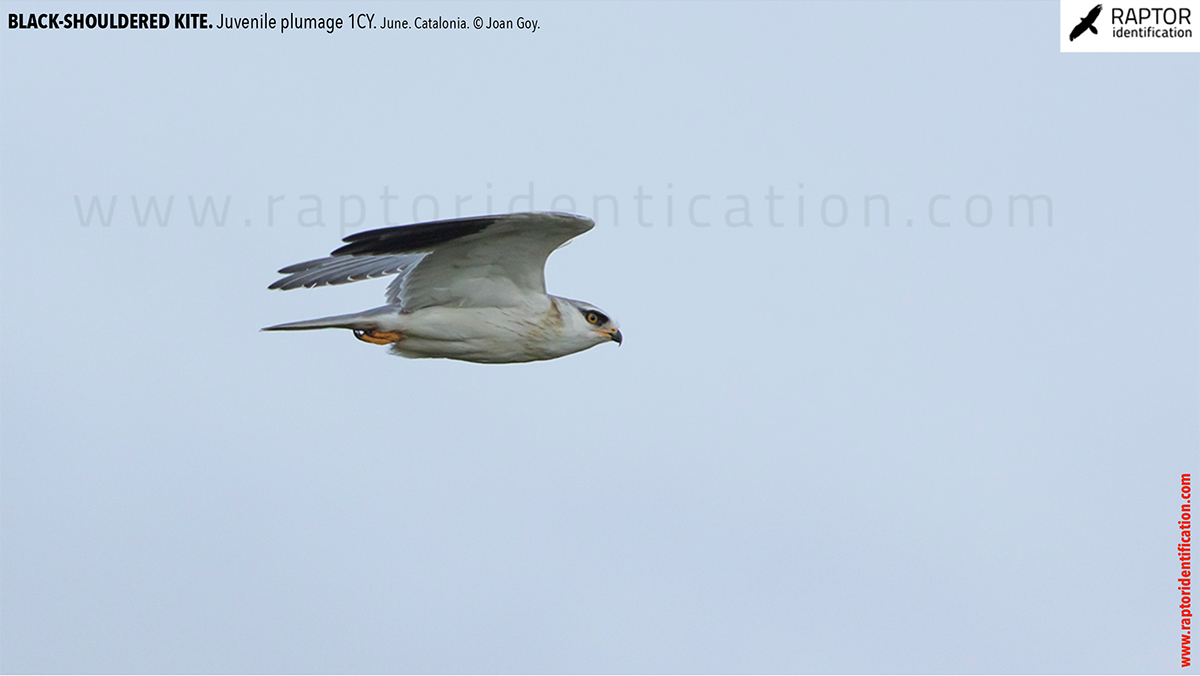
column 488, row 335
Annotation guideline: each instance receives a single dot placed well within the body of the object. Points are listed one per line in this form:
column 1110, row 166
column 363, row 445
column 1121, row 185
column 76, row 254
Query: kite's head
column 589, row 321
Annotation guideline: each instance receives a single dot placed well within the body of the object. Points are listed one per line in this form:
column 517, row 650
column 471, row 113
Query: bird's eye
column 593, row 318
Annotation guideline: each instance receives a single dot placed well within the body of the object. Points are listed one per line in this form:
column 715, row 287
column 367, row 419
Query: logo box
column 1129, row 26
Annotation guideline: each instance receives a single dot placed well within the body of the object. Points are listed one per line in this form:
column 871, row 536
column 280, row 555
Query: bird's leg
column 378, row 337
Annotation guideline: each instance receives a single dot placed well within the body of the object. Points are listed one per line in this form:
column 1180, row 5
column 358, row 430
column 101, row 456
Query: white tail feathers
column 360, row 320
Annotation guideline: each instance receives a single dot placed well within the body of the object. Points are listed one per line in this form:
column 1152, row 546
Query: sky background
column 829, row 445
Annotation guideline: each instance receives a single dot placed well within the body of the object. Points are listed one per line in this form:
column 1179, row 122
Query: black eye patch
column 600, row 318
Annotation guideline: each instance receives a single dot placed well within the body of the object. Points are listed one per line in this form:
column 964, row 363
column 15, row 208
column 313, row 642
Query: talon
column 378, row 337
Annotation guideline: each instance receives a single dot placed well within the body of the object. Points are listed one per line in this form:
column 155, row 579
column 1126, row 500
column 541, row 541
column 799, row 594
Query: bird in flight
column 1086, row 23
column 472, row 289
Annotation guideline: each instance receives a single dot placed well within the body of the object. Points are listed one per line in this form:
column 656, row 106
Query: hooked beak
column 611, row 334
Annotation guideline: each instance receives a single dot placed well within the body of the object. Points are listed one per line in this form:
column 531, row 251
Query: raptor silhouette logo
column 1087, row 23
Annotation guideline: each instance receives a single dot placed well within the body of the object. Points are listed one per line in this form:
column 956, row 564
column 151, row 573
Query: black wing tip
column 467, row 222
column 480, row 221
column 412, row 238
column 285, row 284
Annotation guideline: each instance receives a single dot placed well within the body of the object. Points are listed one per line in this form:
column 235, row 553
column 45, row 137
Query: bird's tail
column 359, row 320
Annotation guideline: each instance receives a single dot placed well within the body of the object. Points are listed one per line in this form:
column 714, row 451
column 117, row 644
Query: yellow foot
column 378, row 337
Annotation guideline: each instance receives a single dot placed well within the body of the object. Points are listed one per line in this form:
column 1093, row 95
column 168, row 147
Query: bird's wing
column 1091, row 17
column 489, row 261
column 1078, row 30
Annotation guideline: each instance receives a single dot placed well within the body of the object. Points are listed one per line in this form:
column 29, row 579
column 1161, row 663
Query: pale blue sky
column 822, row 448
